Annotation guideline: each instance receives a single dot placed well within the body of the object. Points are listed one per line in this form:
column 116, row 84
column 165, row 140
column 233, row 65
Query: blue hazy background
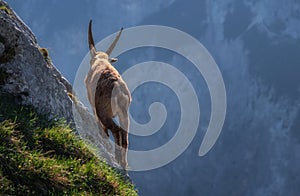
column 256, row 45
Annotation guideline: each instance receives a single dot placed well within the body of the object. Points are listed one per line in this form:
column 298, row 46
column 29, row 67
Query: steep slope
column 39, row 157
column 39, row 152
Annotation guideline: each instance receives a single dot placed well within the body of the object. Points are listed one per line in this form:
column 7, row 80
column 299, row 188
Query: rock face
column 27, row 72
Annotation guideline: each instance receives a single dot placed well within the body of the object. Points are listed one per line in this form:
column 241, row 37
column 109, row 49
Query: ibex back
column 109, row 97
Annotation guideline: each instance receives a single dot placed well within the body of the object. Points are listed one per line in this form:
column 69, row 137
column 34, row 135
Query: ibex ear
column 113, row 60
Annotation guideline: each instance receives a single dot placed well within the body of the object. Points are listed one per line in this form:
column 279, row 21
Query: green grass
column 41, row 157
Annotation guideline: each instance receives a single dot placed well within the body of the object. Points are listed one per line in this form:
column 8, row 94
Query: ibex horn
column 91, row 40
column 112, row 46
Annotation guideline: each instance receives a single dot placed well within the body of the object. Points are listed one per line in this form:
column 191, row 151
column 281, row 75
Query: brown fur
column 109, row 97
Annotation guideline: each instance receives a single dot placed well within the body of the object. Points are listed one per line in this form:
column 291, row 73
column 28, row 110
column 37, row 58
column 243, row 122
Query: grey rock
column 33, row 78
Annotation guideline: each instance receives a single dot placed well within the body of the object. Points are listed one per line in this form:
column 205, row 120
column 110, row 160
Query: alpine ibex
column 109, row 96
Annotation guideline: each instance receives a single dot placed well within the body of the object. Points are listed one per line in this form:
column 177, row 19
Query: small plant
column 44, row 52
column 5, row 9
column 73, row 97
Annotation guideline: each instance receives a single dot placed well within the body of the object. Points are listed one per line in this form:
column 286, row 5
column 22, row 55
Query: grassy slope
column 42, row 157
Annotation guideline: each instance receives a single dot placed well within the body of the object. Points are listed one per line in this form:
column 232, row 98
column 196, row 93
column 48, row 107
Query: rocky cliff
column 28, row 74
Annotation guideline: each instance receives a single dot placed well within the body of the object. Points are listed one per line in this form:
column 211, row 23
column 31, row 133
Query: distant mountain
column 255, row 45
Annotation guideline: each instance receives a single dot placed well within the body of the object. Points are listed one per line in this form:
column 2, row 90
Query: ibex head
column 102, row 55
